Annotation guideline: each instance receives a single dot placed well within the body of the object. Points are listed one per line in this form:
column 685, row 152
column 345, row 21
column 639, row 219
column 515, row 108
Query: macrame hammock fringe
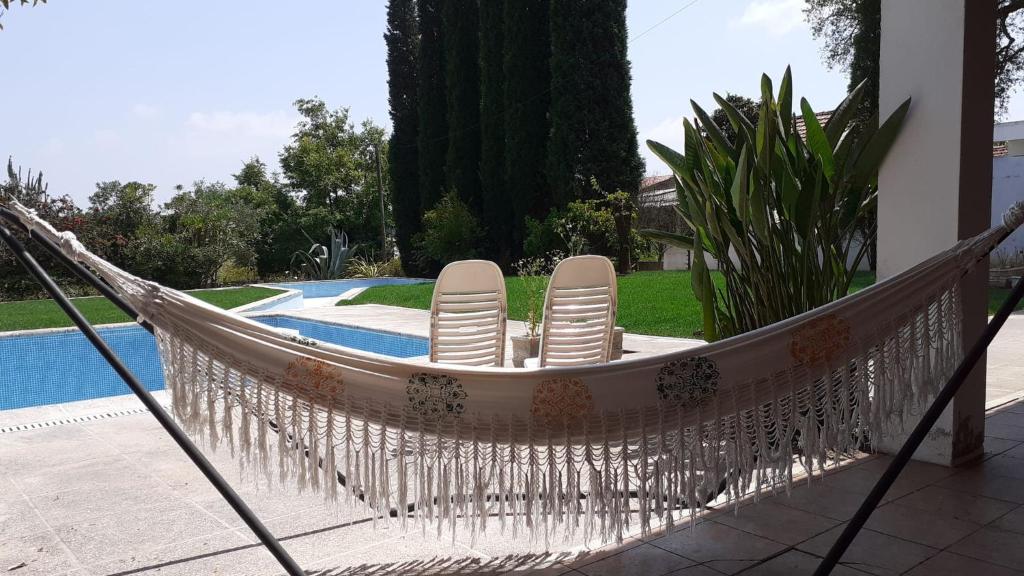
column 584, row 451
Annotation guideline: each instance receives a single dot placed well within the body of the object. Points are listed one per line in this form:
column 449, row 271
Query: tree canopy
column 850, row 30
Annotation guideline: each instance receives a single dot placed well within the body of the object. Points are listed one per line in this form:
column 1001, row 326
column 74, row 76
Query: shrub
column 777, row 209
column 450, row 232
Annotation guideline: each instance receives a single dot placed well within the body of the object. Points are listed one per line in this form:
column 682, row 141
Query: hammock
column 577, row 449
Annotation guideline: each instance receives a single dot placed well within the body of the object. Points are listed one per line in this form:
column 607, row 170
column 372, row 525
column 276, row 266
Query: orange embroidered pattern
column 311, row 377
column 820, row 340
column 561, row 399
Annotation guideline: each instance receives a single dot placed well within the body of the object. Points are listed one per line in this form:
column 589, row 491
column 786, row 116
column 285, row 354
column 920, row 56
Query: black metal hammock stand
column 900, row 461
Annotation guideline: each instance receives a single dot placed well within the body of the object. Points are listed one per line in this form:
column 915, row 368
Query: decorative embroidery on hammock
column 313, row 378
column 688, row 381
column 435, row 397
column 820, row 340
column 561, row 399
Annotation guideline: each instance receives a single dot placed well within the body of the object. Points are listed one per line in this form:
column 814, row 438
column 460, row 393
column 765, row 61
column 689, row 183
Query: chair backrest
column 468, row 315
column 579, row 313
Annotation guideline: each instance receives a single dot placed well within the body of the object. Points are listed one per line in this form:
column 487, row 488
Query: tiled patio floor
column 114, row 496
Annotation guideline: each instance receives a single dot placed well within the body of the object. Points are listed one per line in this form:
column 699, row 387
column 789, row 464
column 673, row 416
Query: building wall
column 1007, row 188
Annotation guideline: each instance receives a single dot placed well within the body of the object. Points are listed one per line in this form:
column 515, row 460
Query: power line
column 663, row 20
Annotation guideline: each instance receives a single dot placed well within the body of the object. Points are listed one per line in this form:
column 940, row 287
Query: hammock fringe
column 580, row 477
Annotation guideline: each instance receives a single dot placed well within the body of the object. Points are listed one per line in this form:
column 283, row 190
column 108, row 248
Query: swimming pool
column 329, row 288
column 51, row 367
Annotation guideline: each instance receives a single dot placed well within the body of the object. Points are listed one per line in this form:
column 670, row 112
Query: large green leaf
column 865, row 168
column 817, row 142
column 744, row 129
column 843, row 114
column 679, row 240
column 786, row 102
column 713, row 132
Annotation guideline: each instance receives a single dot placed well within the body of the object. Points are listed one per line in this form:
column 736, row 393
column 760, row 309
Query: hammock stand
column 179, row 435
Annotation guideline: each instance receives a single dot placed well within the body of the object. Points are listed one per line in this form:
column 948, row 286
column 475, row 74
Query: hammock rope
column 470, row 446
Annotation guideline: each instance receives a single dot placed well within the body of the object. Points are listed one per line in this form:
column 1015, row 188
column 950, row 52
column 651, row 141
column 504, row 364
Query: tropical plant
column 777, row 209
column 533, row 273
column 323, row 262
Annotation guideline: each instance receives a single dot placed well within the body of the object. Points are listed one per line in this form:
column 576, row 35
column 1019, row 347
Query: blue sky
column 169, row 93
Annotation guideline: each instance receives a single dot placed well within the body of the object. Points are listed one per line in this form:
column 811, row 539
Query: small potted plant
column 534, row 274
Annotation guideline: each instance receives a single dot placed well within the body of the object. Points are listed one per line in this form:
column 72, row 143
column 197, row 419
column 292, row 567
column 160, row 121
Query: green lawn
column 656, row 303
column 33, row 314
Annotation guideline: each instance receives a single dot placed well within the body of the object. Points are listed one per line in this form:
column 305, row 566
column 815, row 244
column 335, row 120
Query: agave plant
column 323, row 262
column 777, row 209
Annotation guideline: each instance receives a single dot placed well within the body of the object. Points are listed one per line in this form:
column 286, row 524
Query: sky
column 171, row 93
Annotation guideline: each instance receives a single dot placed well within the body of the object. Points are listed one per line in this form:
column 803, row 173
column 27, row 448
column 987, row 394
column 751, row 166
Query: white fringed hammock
column 582, row 450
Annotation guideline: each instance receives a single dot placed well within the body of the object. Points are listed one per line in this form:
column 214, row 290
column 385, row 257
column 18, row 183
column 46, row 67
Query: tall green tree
column 593, row 133
column 494, row 205
column 527, row 67
column 850, row 31
column 402, row 39
column 462, row 81
column 433, row 104
column 333, row 163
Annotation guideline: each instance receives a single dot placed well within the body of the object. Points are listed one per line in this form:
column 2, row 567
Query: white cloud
column 145, row 111
column 777, row 17
column 668, row 132
column 277, row 124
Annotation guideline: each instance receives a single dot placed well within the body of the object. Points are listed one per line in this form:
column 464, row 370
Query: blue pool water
column 54, row 367
column 328, row 288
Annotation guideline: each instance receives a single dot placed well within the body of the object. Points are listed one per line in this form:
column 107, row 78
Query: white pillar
column 935, row 187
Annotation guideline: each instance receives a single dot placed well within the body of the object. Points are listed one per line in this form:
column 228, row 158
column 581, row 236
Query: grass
column 655, row 303
column 34, row 314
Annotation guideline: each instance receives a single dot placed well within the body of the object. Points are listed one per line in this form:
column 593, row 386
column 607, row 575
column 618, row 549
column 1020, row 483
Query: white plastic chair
column 579, row 313
column 468, row 315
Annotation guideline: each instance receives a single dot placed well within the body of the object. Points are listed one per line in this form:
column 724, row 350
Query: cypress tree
column 527, row 57
column 433, row 107
column 462, row 79
column 592, row 129
column 402, row 43
column 493, row 205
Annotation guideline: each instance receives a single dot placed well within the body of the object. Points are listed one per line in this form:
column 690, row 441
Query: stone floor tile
column 697, row 570
column 999, row 446
column 135, row 532
column 795, row 563
column 949, row 564
column 993, row 545
column 39, row 554
column 984, row 484
column 956, row 504
column 1012, row 521
column 83, row 474
column 1002, row 465
column 19, row 518
column 643, row 560
column 770, row 519
column 414, row 555
column 710, row 540
column 872, row 552
column 1005, row 417
column 222, row 554
column 926, row 527
column 83, row 503
column 822, row 499
column 1005, row 431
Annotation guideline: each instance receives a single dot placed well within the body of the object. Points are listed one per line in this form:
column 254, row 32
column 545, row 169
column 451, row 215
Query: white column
column 936, row 185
